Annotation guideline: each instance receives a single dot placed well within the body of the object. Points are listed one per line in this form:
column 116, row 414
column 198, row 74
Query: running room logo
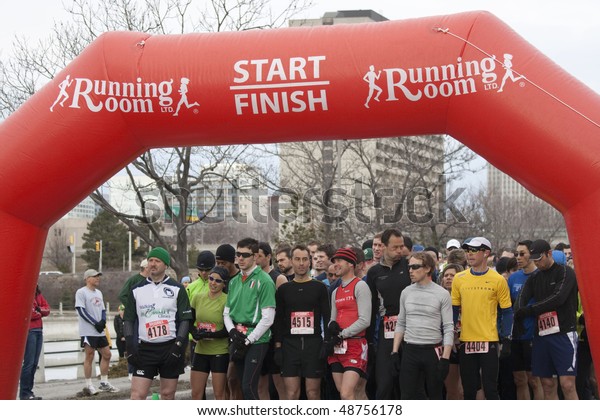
column 137, row 97
column 453, row 79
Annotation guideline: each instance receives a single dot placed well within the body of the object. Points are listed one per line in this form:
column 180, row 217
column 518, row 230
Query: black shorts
column 94, row 342
column 154, row 359
column 215, row 363
column 520, row 351
column 339, row 368
column 301, row 357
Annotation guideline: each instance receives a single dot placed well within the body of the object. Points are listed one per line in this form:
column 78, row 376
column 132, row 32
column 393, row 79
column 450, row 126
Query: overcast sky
column 565, row 31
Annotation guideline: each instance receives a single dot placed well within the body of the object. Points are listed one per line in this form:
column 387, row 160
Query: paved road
column 68, row 390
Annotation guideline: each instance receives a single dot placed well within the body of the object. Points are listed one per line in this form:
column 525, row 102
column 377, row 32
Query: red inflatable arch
column 129, row 92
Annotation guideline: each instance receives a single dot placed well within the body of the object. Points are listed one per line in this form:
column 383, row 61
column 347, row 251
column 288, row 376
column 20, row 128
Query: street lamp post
column 129, row 250
column 100, row 259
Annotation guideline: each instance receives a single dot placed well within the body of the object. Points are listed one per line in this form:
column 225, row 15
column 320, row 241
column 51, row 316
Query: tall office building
column 360, row 185
column 504, row 187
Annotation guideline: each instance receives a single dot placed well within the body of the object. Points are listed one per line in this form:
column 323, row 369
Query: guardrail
column 65, row 354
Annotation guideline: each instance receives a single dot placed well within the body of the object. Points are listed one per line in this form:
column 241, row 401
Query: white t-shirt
column 93, row 302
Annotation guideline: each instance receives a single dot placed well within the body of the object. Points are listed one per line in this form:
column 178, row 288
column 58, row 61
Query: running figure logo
column 370, row 78
column 183, row 90
column 63, row 92
column 507, row 65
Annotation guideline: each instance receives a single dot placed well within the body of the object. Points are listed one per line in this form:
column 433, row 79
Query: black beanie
column 225, row 252
column 206, row 260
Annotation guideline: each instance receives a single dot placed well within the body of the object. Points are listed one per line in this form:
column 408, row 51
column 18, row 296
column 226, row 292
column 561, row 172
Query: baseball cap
column 91, row 273
column 452, row 243
column 368, row 252
column 537, row 248
column 477, row 242
column 185, row 279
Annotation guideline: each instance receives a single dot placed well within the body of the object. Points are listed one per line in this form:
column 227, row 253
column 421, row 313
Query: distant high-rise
column 369, row 177
column 504, row 187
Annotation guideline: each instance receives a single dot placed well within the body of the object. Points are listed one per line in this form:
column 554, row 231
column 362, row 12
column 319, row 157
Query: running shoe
column 107, row 387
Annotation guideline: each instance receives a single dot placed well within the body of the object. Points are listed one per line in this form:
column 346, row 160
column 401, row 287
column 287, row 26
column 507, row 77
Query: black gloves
column 334, row 329
column 443, row 368
column 505, row 351
column 132, row 350
column 327, row 347
column 238, row 346
column 100, row 325
column 395, row 361
column 236, row 335
column 326, row 350
column 38, row 309
column 238, row 350
column 199, row 334
column 176, row 351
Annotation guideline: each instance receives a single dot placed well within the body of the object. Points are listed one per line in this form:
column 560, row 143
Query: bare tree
column 506, row 221
column 359, row 187
column 174, row 174
column 56, row 251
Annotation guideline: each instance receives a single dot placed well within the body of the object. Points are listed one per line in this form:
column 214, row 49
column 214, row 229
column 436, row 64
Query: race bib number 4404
column 472, row 347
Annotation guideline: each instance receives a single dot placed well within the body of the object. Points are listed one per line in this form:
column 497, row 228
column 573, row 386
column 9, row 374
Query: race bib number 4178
column 157, row 329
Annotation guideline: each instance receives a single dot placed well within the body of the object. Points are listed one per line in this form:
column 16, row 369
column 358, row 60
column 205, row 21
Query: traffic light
column 71, row 239
column 135, row 244
column 97, row 246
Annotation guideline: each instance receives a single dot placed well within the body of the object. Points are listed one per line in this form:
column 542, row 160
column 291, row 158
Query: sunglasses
column 415, row 266
column 211, row 278
column 244, row 254
column 520, row 254
column 473, row 250
column 330, row 274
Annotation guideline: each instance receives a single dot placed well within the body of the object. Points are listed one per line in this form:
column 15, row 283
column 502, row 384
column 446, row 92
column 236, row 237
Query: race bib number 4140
column 548, row 323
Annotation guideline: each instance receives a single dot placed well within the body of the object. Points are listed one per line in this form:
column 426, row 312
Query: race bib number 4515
column 302, row 323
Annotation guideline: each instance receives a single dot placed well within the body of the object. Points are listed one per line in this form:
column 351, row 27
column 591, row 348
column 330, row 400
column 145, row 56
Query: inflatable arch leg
column 467, row 75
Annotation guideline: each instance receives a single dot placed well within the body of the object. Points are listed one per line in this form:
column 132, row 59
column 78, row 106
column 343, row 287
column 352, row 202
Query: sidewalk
column 72, row 389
